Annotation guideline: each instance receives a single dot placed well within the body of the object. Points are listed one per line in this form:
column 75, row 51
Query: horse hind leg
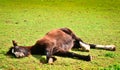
column 87, row 47
column 74, row 55
column 105, row 47
column 84, row 46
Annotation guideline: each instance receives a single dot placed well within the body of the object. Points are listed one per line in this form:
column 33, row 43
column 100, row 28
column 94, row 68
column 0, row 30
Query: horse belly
column 67, row 46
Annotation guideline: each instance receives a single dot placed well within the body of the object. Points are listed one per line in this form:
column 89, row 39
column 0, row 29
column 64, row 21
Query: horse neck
column 31, row 49
column 27, row 47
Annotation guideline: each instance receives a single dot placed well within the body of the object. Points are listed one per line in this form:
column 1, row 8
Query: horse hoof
column 110, row 47
column 89, row 58
column 114, row 49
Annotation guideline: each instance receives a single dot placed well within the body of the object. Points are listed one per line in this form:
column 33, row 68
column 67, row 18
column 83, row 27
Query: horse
column 57, row 42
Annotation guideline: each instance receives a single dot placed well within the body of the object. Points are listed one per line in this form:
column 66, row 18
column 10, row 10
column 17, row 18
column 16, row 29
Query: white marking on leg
column 100, row 46
column 85, row 47
column 107, row 47
column 110, row 47
column 50, row 61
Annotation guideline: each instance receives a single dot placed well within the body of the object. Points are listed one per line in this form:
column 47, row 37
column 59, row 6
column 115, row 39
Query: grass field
column 95, row 21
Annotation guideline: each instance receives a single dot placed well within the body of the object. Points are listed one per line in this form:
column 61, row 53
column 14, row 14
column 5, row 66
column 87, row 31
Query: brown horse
column 57, row 42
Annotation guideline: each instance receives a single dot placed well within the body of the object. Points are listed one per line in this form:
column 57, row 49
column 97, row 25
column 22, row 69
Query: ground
column 94, row 21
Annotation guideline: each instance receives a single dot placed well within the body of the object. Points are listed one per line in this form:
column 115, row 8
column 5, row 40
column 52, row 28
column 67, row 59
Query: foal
column 56, row 42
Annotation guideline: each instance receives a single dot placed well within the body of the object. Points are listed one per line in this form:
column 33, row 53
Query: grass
column 95, row 21
column 114, row 67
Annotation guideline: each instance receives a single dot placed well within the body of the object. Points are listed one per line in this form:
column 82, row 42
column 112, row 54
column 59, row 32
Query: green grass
column 95, row 21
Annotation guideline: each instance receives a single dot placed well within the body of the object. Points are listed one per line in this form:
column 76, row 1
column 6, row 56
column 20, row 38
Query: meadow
column 94, row 21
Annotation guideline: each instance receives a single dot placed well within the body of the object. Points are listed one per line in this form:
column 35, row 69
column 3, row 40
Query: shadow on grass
column 42, row 58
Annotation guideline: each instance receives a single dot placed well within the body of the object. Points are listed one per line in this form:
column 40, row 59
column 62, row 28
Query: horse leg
column 74, row 55
column 84, row 46
column 87, row 47
column 78, row 43
column 49, row 56
column 105, row 47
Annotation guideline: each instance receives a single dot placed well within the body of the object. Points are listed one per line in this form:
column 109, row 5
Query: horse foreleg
column 49, row 56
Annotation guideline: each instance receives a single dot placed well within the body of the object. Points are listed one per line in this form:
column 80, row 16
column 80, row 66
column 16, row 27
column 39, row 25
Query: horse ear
column 14, row 43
